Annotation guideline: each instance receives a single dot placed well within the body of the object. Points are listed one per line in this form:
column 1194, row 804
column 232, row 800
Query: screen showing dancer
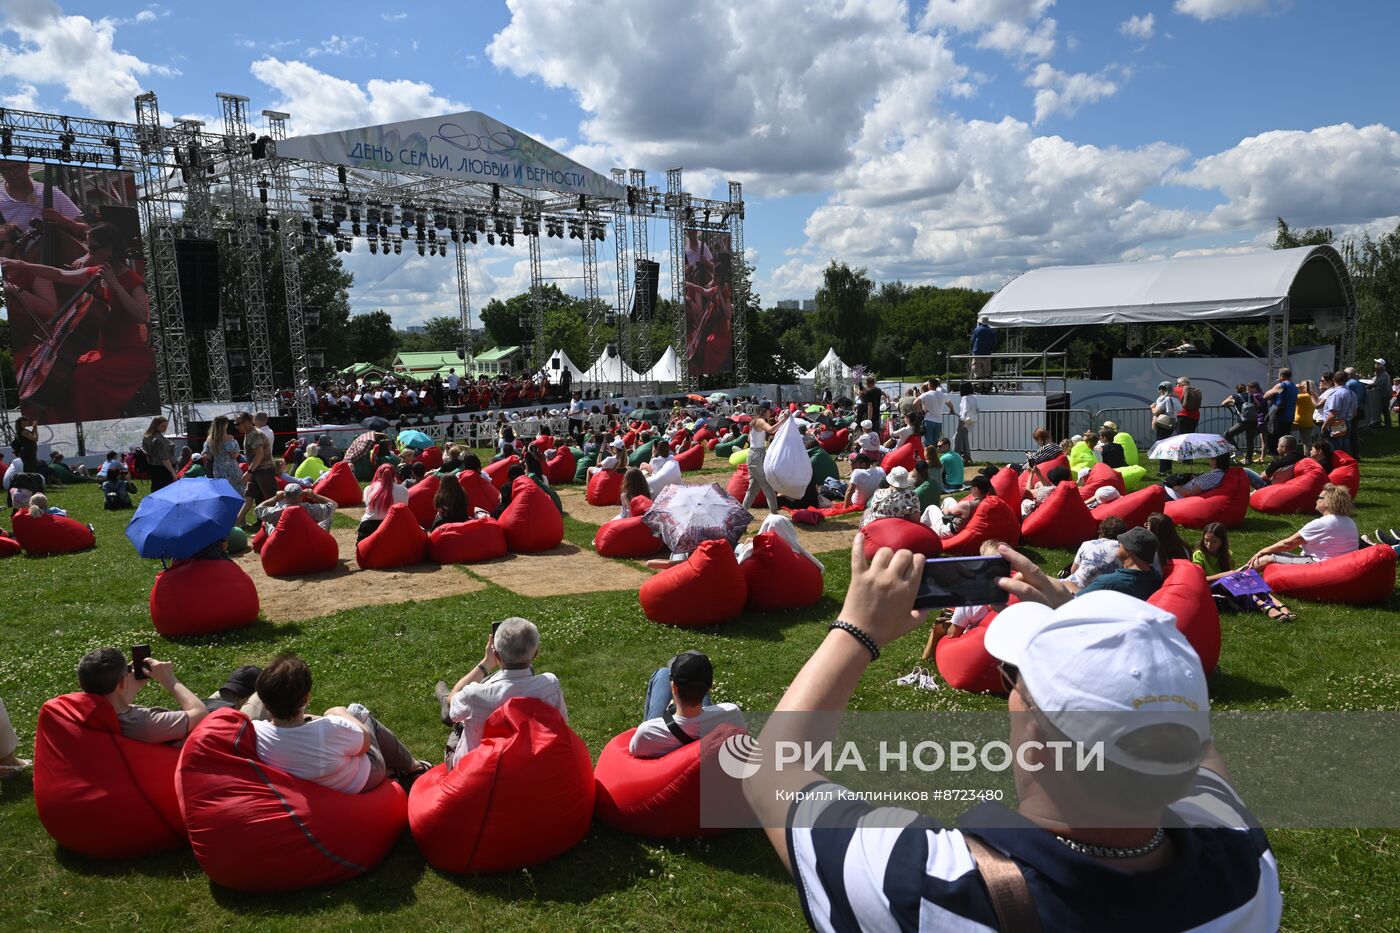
column 75, row 293
column 709, row 302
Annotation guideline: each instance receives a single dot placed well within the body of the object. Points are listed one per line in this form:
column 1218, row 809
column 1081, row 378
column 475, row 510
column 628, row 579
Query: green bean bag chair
column 1130, row 447
column 728, row 447
column 1081, row 457
column 823, row 465
column 363, row 468
column 584, row 462
column 738, row 457
column 641, row 455
column 1133, row 477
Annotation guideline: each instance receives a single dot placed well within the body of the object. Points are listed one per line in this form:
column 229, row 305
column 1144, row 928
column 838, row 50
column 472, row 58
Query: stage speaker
column 198, row 264
column 644, row 289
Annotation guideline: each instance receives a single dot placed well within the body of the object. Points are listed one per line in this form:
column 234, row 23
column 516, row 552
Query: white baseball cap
column 618, row 443
column 867, row 424
column 1103, row 666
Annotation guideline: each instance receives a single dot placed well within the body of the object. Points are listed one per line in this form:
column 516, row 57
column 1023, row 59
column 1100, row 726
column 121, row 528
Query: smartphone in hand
column 962, row 581
column 139, row 656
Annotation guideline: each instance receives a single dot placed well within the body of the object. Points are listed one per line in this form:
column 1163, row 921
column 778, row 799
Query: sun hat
column 900, row 478
column 1104, row 665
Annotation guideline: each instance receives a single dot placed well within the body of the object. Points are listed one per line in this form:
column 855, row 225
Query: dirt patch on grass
column 286, row 599
column 564, row 570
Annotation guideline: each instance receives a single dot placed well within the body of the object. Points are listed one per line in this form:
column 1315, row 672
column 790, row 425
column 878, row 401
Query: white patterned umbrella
column 1190, row 447
column 686, row 516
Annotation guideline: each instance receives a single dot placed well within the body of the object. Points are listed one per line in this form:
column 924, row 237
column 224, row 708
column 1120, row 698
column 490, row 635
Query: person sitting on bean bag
column 104, row 672
column 897, row 500
column 1136, row 575
column 347, row 749
column 380, row 496
column 512, row 646
column 450, row 504
column 952, row 465
column 1041, row 492
column 1201, row 483
column 868, row 443
column 948, row 518
column 295, row 496
column 661, row 455
column 634, row 484
column 1280, row 469
column 864, row 480
column 1097, row 556
column 617, row 460
column 677, row 707
column 311, row 466
column 1332, row 535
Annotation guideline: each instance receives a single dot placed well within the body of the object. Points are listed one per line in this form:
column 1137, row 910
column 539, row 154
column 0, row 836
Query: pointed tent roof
column 830, row 361
column 667, row 369
column 554, row 373
column 467, row 147
column 610, row 369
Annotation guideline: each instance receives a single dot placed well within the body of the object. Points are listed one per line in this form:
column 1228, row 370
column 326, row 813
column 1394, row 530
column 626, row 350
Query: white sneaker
column 359, row 712
column 911, row 678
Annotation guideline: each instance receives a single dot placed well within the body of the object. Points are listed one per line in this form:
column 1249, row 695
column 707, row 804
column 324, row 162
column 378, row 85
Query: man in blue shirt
column 984, row 344
column 1284, row 397
column 1135, row 576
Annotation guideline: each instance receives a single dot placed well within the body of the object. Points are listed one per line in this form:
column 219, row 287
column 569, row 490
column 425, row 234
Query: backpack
column 1191, row 399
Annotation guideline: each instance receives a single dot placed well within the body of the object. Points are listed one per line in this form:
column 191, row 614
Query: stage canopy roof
column 1312, row 279
column 667, row 368
column 832, row 363
column 555, row 373
column 468, row 147
column 610, row 369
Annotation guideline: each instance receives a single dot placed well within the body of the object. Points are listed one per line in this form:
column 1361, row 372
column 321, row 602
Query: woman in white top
column 383, row 493
column 967, row 417
column 1164, row 412
column 759, row 433
column 1332, row 535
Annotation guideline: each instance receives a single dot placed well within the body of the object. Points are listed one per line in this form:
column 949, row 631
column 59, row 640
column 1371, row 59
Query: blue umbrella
column 415, row 439
column 184, row 518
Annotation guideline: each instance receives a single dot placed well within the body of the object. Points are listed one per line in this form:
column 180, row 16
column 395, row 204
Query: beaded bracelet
column 859, row 636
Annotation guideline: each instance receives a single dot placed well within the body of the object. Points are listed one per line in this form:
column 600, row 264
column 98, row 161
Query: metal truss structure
column 640, row 203
column 298, row 206
column 677, row 202
column 739, row 282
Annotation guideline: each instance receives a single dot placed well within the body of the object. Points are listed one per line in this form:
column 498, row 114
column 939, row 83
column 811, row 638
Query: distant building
column 809, row 304
column 792, row 304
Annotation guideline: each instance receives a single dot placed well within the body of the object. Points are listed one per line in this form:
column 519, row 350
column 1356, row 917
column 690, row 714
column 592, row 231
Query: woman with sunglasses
column 1332, row 535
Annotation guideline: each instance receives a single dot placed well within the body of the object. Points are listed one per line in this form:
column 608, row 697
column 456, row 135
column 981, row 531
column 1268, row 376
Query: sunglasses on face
column 1010, row 675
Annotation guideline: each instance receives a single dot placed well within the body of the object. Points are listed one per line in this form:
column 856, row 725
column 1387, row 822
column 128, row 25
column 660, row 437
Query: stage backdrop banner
column 709, row 303
column 75, row 293
column 466, row 146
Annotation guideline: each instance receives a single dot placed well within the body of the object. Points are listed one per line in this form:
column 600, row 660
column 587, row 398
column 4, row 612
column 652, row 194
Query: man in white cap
column 1087, row 848
column 868, row 442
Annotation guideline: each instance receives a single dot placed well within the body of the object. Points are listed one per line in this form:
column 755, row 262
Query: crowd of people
column 350, row 400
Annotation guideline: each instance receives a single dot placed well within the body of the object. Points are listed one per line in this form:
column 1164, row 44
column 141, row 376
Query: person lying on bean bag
column 952, row 515
column 677, row 708
column 780, row 573
column 1332, row 535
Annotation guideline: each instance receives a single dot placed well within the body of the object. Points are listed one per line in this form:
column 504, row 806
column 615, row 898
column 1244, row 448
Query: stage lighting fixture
column 421, row 248
column 383, row 232
column 610, row 319
column 7, row 142
column 306, row 228
column 339, row 247
column 398, row 247
column 500, row 226
column 317, row 209
column 349, row 244
column 439, row 220
column 403, row 232
column 456, row 237
column 337, row 214
column 275, row 223
column 480, row 225
column 471, row 235
column 372, row 215
column 340, row 173
column 491, row 239
column 432, row 248
column 442, row 251
column 373, row 247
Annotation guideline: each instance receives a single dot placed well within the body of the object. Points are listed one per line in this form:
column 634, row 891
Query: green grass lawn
column 603, row 650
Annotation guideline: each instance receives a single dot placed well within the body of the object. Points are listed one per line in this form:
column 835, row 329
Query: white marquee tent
column 667, row 369
column 832, row 364
column 558, row 363
column 609, row 369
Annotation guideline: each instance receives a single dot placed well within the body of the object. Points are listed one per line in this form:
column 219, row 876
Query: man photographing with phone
column 106, row 673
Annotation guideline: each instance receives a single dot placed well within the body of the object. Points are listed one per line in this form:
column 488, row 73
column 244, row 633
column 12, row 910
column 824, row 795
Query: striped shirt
column 1207, row 480
column 1045, row 454
column 858, row 868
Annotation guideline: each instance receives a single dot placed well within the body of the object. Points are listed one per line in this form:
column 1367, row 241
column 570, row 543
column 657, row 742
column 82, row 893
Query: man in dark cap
column 1136, row 575
column 678, row 707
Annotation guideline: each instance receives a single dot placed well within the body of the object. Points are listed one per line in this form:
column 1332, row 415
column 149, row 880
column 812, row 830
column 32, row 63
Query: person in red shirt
column 1190, row 400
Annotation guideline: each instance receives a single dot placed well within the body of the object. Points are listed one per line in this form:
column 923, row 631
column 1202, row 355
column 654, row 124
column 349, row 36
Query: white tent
column 557, row 364
column 609, row 369
column 667, row 369
column 833, row 366
column 1310, row 281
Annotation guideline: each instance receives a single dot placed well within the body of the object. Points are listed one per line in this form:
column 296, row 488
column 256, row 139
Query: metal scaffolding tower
column 677, row 209
column 464, row 307
column 623, row 267
column 534, row 359
column 637, row 178
column 198, row 221
column 167, row 322
column 739, row 282
column 287, row 240
column 595, row 311
column 244, row 238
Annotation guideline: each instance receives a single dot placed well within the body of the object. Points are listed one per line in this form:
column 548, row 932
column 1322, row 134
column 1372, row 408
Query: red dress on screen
column 109, row 375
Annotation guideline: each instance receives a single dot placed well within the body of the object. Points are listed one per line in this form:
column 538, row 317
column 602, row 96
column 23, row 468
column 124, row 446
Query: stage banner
column 75, row 293
column 466, row 146
column 709, row 303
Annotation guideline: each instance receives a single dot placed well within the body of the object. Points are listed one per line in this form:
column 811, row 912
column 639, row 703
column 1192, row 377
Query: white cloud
column 1139, row 27
column 74, row 52
column 319, row 102
column 25, row 97
column 1020, row 41
column 338, row 45
column 1058, row 92
column 970, row 15
column 1206, row 10
column 393, row 17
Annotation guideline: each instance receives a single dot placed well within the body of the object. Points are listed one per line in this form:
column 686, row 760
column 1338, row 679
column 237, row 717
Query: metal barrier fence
column 1137, row 421
column 1008, row 433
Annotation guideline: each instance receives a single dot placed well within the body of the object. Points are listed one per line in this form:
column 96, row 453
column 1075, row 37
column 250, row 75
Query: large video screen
column 709, row 302
column 75, row 293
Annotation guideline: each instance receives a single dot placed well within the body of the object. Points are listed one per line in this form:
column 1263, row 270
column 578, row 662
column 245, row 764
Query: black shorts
column 262, row 484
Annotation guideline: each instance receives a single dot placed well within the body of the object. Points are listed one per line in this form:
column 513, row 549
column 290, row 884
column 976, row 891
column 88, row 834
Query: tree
column 1286, row 238
column 843, row 315
column 371, row 338
column 442, row 333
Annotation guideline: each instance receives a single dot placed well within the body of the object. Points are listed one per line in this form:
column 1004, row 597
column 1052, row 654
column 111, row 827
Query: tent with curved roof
column 610, row 369
column 832, row 363
column 667, row 368
column 555, row 372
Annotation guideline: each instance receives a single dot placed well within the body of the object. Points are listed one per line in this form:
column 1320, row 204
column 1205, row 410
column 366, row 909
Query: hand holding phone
column 139, row 654
column 962, row 581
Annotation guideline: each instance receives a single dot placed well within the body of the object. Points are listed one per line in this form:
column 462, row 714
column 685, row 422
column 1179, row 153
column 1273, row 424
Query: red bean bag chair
column 9, row 547
column 964, row 662
column 900, row 534
column 399, row 542
column 738, row 487
column 1028, row 476
column 259, row 539
column 706, row 589
column 499, row 472
column 1101, row 475
column 531, row 522
column 993, row 518
column 298, row 546
column 779, row 578
column 481, row 493
column 837, row 442
column 1363, row 577
column 1296, row 494
column 1134, row 507
column 639, row 506
column 626, row 537
column 467, row 542
column 1186, row 594
column 543, row 443
column 604, row 488
column 431, row 458
column 704, row 436
column 1345, row 472
column 523, row 796
column 420, row 499
column 657, row 797
column 340, row 486
column 100, row 794
column 560, row 468
column 905, row 455
column 1006, row 482
column 1226, row 503
column 691, row 458
column 256, row 828
column 1062, row 520
column 41, row 535
column 181, row 603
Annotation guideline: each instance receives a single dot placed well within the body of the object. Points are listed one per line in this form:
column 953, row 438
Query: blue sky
column 947, row 141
